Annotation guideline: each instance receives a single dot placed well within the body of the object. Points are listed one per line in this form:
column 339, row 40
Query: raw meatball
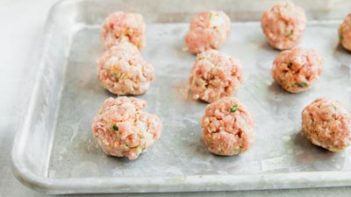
column 227, row 127
column 345, row 33
column 214, row 75
column 208, row 30
column 283, row 25
column 123, row 71
column 120, row 25
column 122, row 129
column 327, row 124
column 295, row 70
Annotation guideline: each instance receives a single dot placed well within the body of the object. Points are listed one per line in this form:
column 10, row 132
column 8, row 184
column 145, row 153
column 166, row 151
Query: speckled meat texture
column 208, row 30
column 122, row 25
column 214, row 75
column 327, row 124
column 295, row 70
column 227, row 127
column 123, row 71
column 345, row 33
column 122, row 129
column 283, row 25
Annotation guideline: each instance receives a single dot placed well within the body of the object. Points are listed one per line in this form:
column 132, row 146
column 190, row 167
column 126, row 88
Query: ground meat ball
column 283, row 25
column 119, row 25
column 123, row 71
column 345, row 33
column 295, row 70
column 122, row 129
column 227, row 127
column 208, row 30
column 327, row 124
column 214, row 75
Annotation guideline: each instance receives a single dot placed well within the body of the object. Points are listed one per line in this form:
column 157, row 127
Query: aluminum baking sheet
column 54, row 151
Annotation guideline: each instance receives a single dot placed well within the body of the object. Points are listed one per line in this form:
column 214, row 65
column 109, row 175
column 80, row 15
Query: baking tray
column 54, row 150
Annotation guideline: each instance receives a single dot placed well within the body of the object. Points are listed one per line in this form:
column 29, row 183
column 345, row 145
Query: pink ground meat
column 123, row 71
column 208, row 30
column 214, row 75
column 345, row 33
column 130, row 26
column 122, row 129
column 295, row 70
column 283, row 25
column 327, row 124
column 227, row 127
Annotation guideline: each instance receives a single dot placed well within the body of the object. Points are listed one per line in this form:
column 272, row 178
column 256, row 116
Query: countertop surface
column 21, row 31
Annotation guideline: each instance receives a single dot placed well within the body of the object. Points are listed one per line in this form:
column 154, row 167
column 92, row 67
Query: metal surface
column 54, row 150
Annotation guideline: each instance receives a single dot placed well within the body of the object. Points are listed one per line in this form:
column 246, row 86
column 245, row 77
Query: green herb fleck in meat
column 289, row 34
column 301, row 84
column 114, row 127
column 341, row 37
column 234, row 108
